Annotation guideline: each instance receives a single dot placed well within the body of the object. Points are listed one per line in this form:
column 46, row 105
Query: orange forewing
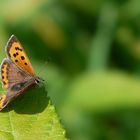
column 17, row 54
column 4, row 75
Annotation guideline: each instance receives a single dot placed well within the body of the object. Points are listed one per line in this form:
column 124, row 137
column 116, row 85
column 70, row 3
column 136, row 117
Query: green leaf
column 31, row 116
column 101, row 44
column 92, row 96
column 103, row 92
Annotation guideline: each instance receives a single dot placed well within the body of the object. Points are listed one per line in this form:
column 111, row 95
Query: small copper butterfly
column 17, row 74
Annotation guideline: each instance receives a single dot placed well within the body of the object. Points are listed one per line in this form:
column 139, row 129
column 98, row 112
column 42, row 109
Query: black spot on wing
column 14, row 55
column 22, row 57
column 4, row 82
column 16, row 48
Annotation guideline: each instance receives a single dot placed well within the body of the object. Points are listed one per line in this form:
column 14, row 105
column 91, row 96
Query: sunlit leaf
column 31, row 116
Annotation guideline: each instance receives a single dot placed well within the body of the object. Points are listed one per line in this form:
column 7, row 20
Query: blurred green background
column 93, row 77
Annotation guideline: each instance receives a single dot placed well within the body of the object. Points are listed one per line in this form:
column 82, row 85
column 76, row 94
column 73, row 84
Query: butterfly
column 17, row 73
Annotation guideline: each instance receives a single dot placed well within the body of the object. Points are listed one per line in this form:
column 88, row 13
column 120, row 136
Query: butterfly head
column 38, row 80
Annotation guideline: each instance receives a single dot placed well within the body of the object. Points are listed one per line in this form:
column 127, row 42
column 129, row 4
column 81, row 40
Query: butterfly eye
column 37, row 81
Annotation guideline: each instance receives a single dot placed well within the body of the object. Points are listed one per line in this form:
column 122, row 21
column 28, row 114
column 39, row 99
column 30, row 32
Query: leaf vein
column 11, row 125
